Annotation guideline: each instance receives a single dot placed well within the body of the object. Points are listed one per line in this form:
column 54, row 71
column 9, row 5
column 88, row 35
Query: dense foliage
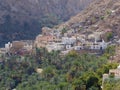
column 111, row 84
column 70, row 72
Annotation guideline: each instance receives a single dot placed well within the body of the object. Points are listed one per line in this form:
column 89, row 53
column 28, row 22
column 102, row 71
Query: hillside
column 101, row 15
column 28, row 65
column 23, row 19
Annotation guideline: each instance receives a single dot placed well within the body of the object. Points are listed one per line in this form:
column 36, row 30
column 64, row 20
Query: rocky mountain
column 62, row 9
column 22, row 19
column 101, row 15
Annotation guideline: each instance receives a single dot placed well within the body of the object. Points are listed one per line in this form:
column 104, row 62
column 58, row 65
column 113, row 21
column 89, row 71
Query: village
column 63, row 40
column 67, row 40
column 60, row 45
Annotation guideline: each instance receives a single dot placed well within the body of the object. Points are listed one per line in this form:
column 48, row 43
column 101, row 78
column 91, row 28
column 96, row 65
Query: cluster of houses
column 62, row 40
column 69, row 40
column 22, row 47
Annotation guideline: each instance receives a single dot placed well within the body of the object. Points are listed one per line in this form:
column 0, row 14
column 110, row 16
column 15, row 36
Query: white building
column 67, row 40
column 77, row 48
column 54, row 46
column 8, row 46
column 99, row 45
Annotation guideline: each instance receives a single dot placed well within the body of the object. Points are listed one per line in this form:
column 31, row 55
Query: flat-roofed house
column 69, row 42
column 113, row 73
column 55, row 46
column 17, row 45
column 42, row 41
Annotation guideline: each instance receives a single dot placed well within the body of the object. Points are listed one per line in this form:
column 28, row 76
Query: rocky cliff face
column 22, row 19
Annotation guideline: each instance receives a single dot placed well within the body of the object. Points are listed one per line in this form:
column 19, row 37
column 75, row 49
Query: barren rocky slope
column 101, row 15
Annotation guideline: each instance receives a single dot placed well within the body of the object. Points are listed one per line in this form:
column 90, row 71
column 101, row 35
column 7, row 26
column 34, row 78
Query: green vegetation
column 70, row 72
column 102, row 17
column 112, row 84
column 64, row 30
column 110, row 51
column 109, row 36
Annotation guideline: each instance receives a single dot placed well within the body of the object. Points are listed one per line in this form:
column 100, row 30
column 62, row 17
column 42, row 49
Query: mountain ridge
column 23, row 19
column 100, row 15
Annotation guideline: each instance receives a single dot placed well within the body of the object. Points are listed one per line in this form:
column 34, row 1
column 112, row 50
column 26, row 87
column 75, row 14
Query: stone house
column 54, row 46
column 114, row 73
column 41, row 41
column 21, row 47
column 16, row 46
